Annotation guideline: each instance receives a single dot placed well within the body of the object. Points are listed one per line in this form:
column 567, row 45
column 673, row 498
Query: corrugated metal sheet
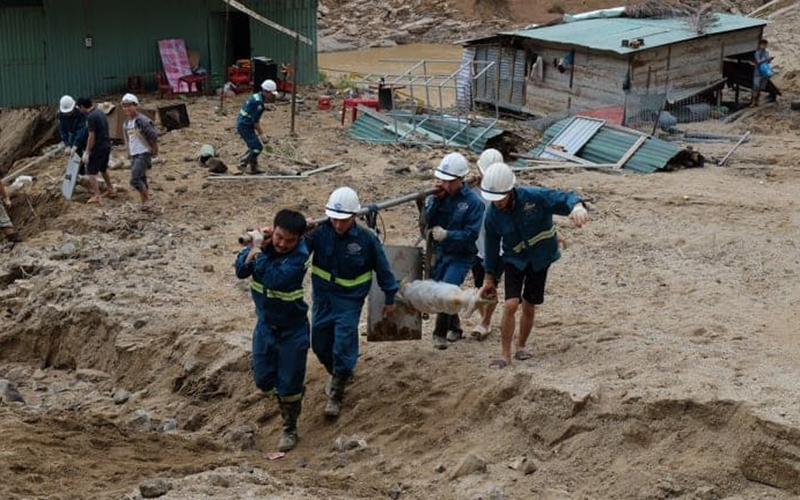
column 606, row 34
column 574, row 135
column 511, row 64
column 297, row 15
column 610, row 145
column 369, row 128
column 125, row 45
column 22, row 55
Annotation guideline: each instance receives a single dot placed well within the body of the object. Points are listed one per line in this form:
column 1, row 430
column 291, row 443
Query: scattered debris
column 723, row 161
column 288, row 175
column 348, row 443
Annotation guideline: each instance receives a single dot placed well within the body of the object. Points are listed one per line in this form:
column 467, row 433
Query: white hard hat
column 342, row 204
column 67, row 104
column 453, row 166
column 497, row 182
column 489, row 158
column 130, row 99
column 269, row 86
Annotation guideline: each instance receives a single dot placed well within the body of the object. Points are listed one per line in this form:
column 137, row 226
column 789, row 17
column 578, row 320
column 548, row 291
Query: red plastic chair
column 355, row 103
column 240, row 77
column 163, row 85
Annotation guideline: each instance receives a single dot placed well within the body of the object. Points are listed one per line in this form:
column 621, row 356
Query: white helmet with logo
column 489, row 158
column 342, row 204
column 269, row 86
column 497, row 182
column 67, row 104
column 453, row 166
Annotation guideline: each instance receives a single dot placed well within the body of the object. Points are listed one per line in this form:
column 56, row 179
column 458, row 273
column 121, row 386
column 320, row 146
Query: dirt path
column 665, row 355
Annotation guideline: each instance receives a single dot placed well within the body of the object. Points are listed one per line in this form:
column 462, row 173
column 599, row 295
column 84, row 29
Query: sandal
column 522, row 355
column 94, row 200
column 498, row 363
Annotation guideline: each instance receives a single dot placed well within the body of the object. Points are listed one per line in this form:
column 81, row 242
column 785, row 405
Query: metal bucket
column 406, row 322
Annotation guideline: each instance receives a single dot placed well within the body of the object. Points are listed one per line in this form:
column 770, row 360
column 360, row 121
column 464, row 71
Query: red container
column 324, row 102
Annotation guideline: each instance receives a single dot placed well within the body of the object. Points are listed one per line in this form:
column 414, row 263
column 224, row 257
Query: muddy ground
column 665, row 356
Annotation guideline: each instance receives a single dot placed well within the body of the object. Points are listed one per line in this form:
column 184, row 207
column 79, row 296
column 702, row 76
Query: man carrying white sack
column 522, row 219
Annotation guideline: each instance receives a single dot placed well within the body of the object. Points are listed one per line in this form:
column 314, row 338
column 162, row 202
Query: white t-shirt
column 136, row 142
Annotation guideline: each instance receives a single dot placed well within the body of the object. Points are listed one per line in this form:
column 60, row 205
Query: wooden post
column 294, row 80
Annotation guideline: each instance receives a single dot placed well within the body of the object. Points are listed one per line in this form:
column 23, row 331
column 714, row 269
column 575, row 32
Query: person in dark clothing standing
column 71, row 126
column 98, row 149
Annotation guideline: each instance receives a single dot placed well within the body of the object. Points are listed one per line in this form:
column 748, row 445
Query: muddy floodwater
column 355, row 65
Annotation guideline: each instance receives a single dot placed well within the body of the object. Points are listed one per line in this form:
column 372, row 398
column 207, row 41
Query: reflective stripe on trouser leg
column 251, row 139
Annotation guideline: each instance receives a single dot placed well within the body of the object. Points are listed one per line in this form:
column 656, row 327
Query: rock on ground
column 154, row 488
column 471, row 464
column 9, row 393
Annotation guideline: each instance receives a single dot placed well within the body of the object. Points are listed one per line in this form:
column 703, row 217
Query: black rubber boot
column 335, row 392
column 440, row 331
column 290, row 412
column 254, row 170
column 455, row 333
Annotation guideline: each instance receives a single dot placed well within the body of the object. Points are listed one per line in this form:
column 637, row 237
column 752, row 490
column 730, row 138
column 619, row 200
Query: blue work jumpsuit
column 249, row 116
column 526, row 230
column 461, row 215
column 73, row 130
column 281, row 336
column 341, row 272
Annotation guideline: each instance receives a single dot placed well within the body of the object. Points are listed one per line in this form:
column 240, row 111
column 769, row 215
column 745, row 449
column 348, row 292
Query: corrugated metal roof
column 609, row 145
column 607, row 34
column 368, row 127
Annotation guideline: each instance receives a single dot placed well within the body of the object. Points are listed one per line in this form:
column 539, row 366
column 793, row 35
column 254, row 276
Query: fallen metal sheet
column 573, row 137
column 406, row 322
column 424, row 130
column 612, row 142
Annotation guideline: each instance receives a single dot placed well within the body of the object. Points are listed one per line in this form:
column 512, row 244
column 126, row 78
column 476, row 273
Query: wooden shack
column 601, row 62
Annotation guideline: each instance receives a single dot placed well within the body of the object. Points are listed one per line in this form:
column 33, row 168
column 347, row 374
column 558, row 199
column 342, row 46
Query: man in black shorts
column 98, row 149
column 522, row 219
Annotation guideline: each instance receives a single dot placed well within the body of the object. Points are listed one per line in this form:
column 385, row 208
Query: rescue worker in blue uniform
column 72, row 126
column 455, row 214
column 248, row 124
column 345, row 255
column 521, row 218
column 276, row 262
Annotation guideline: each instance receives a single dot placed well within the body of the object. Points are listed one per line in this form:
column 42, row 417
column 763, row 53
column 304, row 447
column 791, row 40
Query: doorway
column 237, row 32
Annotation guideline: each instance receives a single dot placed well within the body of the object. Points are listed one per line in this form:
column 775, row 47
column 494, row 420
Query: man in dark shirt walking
column 98, row 149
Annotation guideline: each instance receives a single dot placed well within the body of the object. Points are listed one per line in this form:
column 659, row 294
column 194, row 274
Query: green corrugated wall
column 42, row 53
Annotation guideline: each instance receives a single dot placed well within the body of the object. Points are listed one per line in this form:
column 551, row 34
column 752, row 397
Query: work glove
column 439, row 234
column 85, row 158
column 579, row 215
